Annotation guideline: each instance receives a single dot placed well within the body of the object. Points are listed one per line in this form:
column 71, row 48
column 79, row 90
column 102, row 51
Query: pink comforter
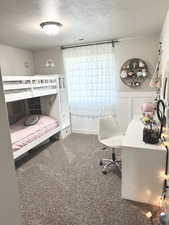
column 22, row 135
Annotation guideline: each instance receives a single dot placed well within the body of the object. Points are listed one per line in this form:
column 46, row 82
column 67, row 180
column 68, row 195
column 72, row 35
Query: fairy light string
column 165, row 185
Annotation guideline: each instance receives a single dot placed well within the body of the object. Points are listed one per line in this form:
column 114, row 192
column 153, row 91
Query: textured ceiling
column 93, row 20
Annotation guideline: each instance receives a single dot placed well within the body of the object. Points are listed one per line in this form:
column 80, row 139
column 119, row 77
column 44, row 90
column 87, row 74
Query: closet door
column 9, row 207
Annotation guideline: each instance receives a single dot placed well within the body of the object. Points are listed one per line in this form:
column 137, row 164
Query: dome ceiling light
column 51, row 27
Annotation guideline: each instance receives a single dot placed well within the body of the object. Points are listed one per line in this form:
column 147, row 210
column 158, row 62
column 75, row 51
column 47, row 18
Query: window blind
column 90, row 73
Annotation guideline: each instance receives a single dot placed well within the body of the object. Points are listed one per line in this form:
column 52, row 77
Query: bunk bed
column 50, row 89
column 24, row 138
column 25, row 87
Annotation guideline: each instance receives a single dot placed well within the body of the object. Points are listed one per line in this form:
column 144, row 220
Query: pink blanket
column 22, row 135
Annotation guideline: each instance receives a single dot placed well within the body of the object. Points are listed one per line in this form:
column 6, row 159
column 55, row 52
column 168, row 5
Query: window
column 90, row 73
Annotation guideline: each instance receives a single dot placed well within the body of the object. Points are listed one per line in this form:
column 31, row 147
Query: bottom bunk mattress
column 22, row 135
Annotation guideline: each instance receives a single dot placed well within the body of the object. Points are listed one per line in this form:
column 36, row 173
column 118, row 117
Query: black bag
column 150, row 136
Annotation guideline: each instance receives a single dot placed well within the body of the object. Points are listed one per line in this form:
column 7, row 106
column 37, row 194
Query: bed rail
column 24, row 87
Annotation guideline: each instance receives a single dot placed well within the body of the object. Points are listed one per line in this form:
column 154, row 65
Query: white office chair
column 110, row 136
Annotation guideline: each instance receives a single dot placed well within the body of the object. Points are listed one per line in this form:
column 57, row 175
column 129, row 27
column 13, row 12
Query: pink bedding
column 22, row 135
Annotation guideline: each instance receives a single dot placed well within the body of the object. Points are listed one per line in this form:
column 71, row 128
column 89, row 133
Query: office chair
column 110, row 136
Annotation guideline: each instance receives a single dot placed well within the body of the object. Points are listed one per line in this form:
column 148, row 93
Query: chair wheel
column 101, row 163
column 104, row 172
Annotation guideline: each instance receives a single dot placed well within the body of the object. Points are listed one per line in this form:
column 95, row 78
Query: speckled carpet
column 61, row 184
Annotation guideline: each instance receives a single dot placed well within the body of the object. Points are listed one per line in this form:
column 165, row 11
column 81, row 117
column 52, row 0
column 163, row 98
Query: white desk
column 142, row 165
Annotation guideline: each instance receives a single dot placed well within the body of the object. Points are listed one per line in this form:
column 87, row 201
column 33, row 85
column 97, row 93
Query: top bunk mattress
column 22, row 135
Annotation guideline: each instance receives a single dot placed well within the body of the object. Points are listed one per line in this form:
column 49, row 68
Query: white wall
column 165, row 53
column 13, row 60
column 40, row 58
column 9, row 206
column 145, row 48
column 16, row 61
column 165, row 44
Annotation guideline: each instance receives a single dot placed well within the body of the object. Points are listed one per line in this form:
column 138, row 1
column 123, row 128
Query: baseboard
column 85, row 131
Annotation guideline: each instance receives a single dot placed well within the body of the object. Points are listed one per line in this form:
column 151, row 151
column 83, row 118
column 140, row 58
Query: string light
column 165, row 143
column 164, row 202
column 164, row 176
column 164, row 135
column 149, row 214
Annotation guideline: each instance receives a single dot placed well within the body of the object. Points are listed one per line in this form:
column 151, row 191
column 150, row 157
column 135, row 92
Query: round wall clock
column 133, row 72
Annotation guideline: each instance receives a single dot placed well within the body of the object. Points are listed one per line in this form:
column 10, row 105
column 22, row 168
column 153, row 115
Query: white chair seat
column 113, row 142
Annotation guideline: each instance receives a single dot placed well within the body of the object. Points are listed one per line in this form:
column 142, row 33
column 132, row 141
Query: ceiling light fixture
column 51, row 27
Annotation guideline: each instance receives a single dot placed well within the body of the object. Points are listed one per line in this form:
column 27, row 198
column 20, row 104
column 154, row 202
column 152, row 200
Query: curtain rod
column 90, row 44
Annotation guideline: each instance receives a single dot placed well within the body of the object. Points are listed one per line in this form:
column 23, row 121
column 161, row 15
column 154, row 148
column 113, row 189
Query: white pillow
column 31, row 120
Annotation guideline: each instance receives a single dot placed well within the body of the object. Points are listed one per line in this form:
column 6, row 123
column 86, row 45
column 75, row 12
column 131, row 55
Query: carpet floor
column 61, row 184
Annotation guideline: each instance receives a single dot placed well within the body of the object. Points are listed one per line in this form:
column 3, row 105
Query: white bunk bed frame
column 24, row 87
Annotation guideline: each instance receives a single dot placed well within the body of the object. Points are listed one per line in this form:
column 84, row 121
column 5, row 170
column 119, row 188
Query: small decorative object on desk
column 151, row 132
column 133, row 72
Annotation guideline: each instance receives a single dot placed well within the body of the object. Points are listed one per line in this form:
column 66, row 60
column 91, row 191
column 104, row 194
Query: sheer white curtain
column 91, row 73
